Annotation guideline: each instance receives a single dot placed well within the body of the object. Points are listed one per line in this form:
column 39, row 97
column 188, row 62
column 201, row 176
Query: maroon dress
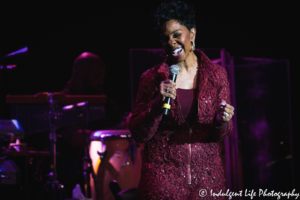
column 188, row 104
column 181, row 158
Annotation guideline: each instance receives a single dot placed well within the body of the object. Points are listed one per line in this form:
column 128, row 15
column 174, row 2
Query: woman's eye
column 177, row 35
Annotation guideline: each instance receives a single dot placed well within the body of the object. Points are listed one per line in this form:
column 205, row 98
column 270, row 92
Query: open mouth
column 177, row 51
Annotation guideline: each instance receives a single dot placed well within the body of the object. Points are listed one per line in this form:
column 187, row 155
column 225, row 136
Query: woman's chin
column 177, row 59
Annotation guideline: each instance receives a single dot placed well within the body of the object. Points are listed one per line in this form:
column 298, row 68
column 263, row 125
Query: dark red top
column 188, row 103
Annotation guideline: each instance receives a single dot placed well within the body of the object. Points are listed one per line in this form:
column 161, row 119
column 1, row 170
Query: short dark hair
column 172, row 9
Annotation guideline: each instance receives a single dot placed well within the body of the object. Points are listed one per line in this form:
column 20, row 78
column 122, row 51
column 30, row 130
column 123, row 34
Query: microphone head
column 174, row 69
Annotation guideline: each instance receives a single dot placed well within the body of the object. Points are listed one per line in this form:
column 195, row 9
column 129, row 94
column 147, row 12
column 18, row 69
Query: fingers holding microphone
column 168, row 89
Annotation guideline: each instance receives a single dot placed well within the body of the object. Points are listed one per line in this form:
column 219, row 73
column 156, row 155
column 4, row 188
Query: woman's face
column 176, row 40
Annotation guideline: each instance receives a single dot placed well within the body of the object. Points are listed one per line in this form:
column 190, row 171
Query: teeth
column 176, row 51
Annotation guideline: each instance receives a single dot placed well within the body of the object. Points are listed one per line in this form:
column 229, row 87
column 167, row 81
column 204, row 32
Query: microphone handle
column 173, row 77
column 167, row 101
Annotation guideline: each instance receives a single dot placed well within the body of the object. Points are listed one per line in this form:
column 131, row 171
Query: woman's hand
column 168, row 89
column 225, row 113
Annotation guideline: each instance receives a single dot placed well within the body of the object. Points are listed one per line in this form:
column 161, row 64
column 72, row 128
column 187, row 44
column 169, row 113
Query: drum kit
column 115, row 157
column 111, row 156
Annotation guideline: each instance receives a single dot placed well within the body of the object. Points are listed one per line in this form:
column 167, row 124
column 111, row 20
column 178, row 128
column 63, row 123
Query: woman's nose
column 172, row 42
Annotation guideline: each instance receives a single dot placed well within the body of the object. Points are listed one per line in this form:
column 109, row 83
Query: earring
column 173, row 44
column 193, row 45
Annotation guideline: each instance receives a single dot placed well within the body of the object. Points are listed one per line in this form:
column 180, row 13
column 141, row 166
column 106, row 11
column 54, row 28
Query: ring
column 167, row 90
column 226, row 115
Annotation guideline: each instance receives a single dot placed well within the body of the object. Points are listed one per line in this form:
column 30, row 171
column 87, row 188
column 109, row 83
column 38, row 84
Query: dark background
column 56, row 33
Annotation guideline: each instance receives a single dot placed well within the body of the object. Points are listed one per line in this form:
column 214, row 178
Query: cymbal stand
column 53, row 186
column 84, row 116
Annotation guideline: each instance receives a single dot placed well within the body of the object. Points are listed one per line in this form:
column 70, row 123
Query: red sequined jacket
column 179, row 160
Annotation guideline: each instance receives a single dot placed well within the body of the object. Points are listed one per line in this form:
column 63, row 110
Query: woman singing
column 181, row 155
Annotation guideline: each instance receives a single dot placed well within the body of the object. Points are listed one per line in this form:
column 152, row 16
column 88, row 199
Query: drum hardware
column 114, row 188
column 102, row 155
column 18, row 146
column 120, row 161
column 131, row 152
column 130, row 193
column 113, row 171
column 55, row 188
column 83, row 116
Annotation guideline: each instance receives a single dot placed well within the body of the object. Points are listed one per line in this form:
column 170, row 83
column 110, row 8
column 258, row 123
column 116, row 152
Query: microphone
column 174, row 70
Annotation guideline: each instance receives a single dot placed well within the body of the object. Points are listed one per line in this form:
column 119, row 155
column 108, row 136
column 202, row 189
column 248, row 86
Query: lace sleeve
column 147, row 111
column 221, row 132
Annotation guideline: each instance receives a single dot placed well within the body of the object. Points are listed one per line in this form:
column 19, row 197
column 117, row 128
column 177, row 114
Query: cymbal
column 104, row 134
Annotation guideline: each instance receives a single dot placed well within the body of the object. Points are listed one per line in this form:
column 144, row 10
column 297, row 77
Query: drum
column 115, row 156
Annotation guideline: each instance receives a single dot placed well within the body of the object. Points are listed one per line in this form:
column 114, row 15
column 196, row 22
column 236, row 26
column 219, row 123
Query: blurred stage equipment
column 25, row 49
column 127, row 194
column 48, row 111
column 120, row 160
column 9, row 172
column 32, row 110
column 9, row 130
column 11, row 126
